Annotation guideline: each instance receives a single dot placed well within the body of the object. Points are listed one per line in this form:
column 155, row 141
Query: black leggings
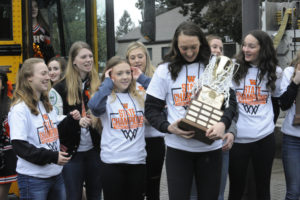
column 261, row 154
column 122, row 181
column 156, row 149
column 181, row 166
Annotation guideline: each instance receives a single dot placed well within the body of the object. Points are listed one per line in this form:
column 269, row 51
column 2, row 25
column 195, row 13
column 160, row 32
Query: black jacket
column 70, row 130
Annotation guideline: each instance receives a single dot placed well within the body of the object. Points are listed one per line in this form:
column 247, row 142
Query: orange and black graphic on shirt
column 47, row 133
column 128, row 121
column 182, row 96
column 251, row 97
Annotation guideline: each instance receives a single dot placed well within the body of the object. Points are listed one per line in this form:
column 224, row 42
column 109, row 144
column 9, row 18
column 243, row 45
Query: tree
column 125, row 25
column 222, row 18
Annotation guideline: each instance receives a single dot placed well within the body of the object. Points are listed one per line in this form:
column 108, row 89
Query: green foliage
column 222, row 18
column 102, row 46
column 125, row 25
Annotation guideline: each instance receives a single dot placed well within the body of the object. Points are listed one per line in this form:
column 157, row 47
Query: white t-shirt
column 287, row 127
column 86, row 142
column 173, row 92
column 150, row 132
column 255, row 106
column 120, row 142
column 33, row 129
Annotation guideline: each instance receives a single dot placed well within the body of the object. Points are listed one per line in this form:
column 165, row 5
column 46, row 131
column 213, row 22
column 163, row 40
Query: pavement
column 277, row 183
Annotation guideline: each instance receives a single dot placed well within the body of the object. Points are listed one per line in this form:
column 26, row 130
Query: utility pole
column 110, row 28
column 250, row 15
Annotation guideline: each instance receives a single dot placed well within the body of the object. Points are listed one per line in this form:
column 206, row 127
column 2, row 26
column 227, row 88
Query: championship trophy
column 296, row 121
column 208, row 96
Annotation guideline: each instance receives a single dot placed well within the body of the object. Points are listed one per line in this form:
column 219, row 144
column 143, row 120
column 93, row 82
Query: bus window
column 6, row 20
column 74, row 21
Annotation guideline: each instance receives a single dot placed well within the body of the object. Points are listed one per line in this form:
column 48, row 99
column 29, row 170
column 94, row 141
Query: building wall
column 156, row 51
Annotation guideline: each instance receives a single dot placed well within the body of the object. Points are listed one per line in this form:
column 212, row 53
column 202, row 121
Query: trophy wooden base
column 296, row 121
column 188, row 125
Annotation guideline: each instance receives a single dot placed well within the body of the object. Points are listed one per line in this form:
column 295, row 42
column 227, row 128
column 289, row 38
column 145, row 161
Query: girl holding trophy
column 256, row 80
column 171, row 85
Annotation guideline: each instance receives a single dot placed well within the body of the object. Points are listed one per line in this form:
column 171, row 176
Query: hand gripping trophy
column 209, row 94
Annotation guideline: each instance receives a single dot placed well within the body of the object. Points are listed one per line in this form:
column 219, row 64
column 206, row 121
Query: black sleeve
column 276, row 108
column 230, row 111
column 289, row 96
column 154, row 112
column 30, row 153
column 69, row 131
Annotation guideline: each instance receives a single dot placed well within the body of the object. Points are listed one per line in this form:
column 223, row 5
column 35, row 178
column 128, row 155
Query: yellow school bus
column 68, row 21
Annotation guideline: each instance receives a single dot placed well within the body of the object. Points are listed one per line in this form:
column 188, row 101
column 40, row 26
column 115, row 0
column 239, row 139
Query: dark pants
column 84, row 167
column 181, row 166
column 261, row 154
column 123, row 181
column 155, row 148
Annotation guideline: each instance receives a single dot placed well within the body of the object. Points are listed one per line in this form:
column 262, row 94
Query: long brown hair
column 267, row 60
column 62, row 64
column 132, row 87
column 175, row 58
column 72, row 75
column 24, row 91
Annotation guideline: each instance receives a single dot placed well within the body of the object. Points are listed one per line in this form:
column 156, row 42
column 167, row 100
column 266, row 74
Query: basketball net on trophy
column 208, row 96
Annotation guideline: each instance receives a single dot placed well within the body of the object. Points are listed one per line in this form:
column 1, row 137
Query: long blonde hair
column 72, row 75
column 131, row 88
column 24, row 91
column 138, row 45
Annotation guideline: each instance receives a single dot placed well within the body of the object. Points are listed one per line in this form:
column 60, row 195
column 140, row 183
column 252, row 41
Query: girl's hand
column 136, row 72
column 228, row 137
column 85, row 122
column 296, row 78
column 173, row 128
column 63, row 158
column 107, row 73
column 75, row 114
column 216, row 131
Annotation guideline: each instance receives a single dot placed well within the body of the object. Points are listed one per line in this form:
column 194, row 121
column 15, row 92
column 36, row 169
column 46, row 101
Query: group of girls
column 130, row 104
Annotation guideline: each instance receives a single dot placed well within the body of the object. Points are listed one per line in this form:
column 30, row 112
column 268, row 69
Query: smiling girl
column 139, row 60
column 257, row 79
column 186, row 157
column 80, row 139
column 121, row 108
column 56, row 66
column 34, row 134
